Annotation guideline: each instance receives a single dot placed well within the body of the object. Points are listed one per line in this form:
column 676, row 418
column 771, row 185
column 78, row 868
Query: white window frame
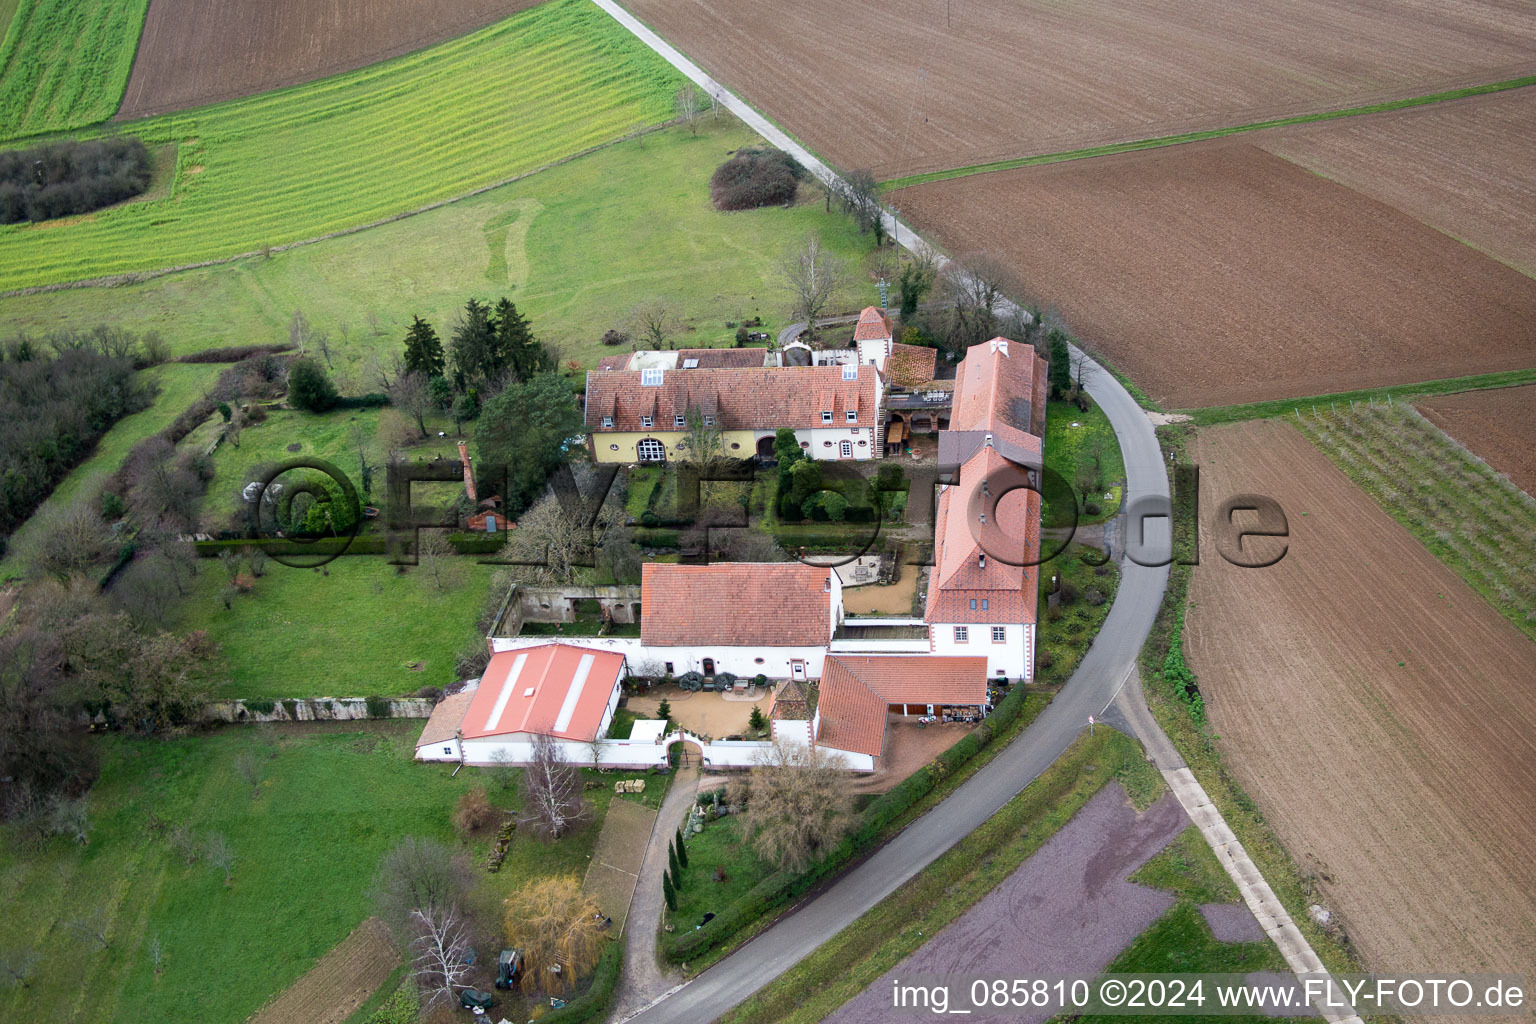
column 448, row 750
column 607, row 422
column 650, row 444
column 826, row 416
column 853, row 416
column 709, row 421
column 845, row 449
column 651, row 378
column 646, row 422
column 962, row 635
column 679, row 421
column 999, row 634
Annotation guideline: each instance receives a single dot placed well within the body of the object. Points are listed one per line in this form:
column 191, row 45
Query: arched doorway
column 651, row 450
column 765, row 447
column 709, row 666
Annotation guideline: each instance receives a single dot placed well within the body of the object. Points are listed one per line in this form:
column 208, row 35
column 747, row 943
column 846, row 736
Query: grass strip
column 1209, row 133
column 879, row 940
column 1291, row 406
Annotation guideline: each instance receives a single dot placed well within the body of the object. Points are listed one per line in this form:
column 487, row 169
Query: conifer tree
column 423, row 350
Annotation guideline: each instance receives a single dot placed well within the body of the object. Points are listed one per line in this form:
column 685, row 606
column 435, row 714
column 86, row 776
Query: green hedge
column 782, row 887
column 365, row 544
column 594, row 1003
column 655, row 538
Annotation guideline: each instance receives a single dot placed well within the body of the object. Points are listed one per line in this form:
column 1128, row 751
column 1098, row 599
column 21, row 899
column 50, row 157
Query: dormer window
column 709, row 421
column 607, row 422
column 981, row 561
column 650, row 378
column 679, row 422
column 647, row 422
column 826, row 416
column 853, row 416
column 826, row 585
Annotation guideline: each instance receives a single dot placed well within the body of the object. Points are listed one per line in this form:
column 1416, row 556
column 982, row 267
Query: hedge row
column 594, row 1003
column 781, row 888
column 233, row 353
column 368, row 544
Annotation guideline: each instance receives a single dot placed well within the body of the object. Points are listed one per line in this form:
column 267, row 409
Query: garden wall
column 318, row 709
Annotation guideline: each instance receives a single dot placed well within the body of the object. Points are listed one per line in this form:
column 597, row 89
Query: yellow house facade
column 626, row 446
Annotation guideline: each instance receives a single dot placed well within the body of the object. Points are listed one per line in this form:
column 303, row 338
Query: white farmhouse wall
column 1011, row 658
column 853, row 761
column 792, row 731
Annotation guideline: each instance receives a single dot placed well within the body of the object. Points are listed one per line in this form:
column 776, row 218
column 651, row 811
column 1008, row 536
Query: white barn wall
column 1012, row 657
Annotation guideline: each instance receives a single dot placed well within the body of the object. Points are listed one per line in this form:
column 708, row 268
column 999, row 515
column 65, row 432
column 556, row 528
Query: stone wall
column 318, row 709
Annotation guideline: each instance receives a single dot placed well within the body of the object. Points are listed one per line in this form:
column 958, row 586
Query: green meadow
column 65, row 64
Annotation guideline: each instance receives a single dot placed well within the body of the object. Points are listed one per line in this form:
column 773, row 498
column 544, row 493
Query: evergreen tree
column 757, row 721
column 528, row 430
column 515, row 345
column 1061, row 363
column 677, row 868
column 682, row 851
column 669, row 893
column 677, row 878
column 473, row 348
column 309, row 388
column 423, row 350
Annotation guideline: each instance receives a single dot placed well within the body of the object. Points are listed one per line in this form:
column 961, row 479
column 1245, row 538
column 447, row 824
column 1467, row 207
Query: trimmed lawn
column 532, row 240
column 1074, row 440
column 335, row 798
column 719, row 845
column 353, row 629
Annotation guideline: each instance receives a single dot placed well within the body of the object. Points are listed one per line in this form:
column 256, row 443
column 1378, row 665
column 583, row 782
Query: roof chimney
column 469, row 474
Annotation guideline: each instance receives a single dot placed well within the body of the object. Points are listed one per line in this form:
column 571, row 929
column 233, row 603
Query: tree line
column 64, row 178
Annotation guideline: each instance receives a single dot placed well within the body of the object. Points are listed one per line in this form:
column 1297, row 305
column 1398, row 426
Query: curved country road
column 1106, row 676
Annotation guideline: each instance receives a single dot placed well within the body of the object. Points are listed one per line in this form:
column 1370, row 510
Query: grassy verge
column 1067, row 630
column 528, row 240
column 65, row 65
column 1211, row 133
column 879, row 940
column 718, row 846
column 365, row 145
column 333, row 799
column 1188, row 868
column 356, row 628
column 1164, row 677
column 1467, row 515
column 1297, row 406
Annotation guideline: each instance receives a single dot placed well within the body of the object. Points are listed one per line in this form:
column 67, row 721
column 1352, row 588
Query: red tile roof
column 716, row 358
column 556, row 689
column 873, row 325
column 912, row 366
column 446, row 718
column 735, row 604
column 765, row 398
column 855, row 693
column 994, row 391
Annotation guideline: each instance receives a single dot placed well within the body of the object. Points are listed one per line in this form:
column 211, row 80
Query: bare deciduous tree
column 410, row 395
column 502, row 770
column 145, row 590
column 553, row 540
column 690, row 101
column 596, row 745
column 419, row 875
column 220, row 854
column 298, row 331
column 552, row 802
column 252, row 767
column 813, row 278
column 18, row 966
column 437, row 560
column 799, row 806
column 439, row 953
column 654, row 322
column 91, row 930
column 973, row 288
column 323, row 343
column 556, row 925
column 157, row 955
column 71, row 540
column 859, row 194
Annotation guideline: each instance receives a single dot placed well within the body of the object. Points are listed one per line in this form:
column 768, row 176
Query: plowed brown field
column 1498, row 426
column 1467, row 167
column 200, row 51
column 891, row 86
column 334, row 988
column 1216, row 273
column 1379, row 712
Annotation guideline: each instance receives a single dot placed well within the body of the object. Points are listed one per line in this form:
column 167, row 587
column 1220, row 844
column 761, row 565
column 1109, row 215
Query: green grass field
column 335, row 799
column 1074, row 439
column 64, row 65
column 352, row 629
column 719, row 845
column 575, row 246
column 301, row 162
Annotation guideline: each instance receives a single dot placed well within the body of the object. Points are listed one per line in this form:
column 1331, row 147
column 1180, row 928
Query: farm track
column 341, row 982
column 1217, row 274
column 1007, row 79
column 1379, row 711
column 195, row 52
column 1498, row 426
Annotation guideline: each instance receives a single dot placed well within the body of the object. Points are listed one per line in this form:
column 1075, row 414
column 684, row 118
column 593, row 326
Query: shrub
column 753, row 178
column 473, row 812
column 309, row 387
column 232, row 353
column 64, row 178
column 432, row 693
column 378, row 707
column 593, row 1004
column 260, row 705
column 403, row 1007
column 615, row 337
column 1091, row 509
column 889, row 477
column 112, row 507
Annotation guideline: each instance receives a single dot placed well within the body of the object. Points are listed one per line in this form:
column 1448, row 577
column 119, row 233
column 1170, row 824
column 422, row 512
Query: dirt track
column 1498, row 426
column 1379, row 712
column 1216, row 273
column 200, row 51
column 1067, row 910
column 890, row 86
column 1467, row 167
column 341, row 982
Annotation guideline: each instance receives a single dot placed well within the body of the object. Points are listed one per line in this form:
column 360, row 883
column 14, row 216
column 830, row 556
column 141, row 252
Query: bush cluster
column 753, row 178
column 64, row 178
column 594, row 1003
